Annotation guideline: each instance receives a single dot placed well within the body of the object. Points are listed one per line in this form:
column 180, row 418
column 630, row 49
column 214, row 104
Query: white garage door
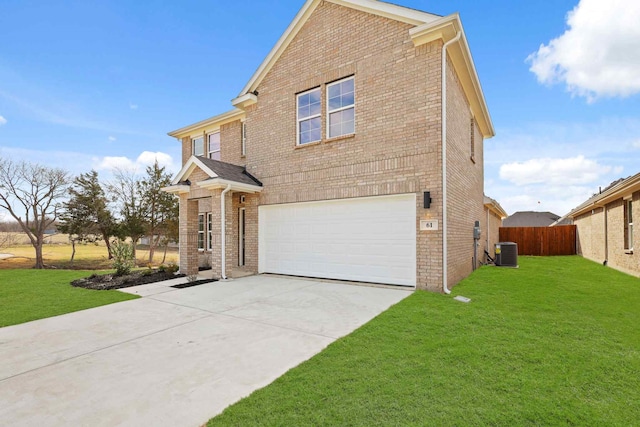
column 368, row 239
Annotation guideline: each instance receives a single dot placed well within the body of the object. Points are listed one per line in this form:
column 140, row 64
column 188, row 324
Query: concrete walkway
column 174, row 357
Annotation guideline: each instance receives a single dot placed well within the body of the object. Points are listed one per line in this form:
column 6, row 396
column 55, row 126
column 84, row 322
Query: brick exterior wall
column 465, row 181
column 396, row 147
column 591, row 233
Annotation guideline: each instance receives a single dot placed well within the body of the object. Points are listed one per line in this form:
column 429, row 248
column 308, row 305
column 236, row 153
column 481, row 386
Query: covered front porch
column 218, row 218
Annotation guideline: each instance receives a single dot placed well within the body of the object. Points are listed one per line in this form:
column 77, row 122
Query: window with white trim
column 244, row 139
column 628, row 225
column 201, row 232
column 209, row 230
column 197, row 146
column 341, row 108
column 213, row 146
column 309, row 124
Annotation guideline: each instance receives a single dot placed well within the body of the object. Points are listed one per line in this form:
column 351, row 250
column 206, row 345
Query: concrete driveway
column 174, row 357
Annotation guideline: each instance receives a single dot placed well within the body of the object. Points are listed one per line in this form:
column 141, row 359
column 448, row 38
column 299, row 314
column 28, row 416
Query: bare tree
column 34, row 190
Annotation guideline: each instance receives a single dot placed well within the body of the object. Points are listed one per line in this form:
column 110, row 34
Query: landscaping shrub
column 122, row 257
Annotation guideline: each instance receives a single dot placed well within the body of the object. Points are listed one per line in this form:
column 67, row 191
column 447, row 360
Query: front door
column 241, row 233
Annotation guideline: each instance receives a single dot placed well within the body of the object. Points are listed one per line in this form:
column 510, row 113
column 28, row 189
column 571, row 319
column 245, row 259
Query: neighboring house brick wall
column 591, row 233
column 465, row 181
column 396, row 146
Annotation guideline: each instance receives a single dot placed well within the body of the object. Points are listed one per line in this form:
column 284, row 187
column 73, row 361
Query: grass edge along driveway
column 27, row 295
column 554, row 342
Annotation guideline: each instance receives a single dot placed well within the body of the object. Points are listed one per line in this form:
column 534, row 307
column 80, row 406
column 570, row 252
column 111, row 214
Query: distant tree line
column 130, row 206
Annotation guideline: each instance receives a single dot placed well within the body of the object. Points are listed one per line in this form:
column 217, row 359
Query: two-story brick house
column 331, row 163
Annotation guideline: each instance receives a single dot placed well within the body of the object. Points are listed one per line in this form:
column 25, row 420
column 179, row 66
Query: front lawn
column 27, row 295
column 554, row 342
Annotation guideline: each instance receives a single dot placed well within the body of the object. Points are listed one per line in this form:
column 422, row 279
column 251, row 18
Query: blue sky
column 95, row 84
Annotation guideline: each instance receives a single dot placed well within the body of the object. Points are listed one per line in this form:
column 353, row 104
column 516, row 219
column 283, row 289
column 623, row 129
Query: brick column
column 216, row 229
column 188, row 235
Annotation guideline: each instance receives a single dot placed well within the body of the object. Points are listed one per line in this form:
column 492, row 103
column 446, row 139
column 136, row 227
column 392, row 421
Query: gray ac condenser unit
column 506, row 254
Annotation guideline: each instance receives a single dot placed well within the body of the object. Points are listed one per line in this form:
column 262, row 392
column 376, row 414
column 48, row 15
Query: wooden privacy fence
column 541, row 241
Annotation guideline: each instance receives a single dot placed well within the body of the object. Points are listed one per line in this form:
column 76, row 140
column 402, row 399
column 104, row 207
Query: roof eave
column 176, row 189
column 446, row 29
column 219, row 119
column 218, row 183
column 188, row 167
column 628, row 186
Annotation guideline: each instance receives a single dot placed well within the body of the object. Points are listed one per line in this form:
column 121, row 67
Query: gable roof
column 215, row 169
column 530, row 219
column 428, row 28
column 392, row 11
column 616, row 190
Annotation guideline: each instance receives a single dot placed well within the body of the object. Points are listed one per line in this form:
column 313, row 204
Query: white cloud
column 111, row 163
column 112, row 138
column 598, row 55
column 3, row 121
column 636, row 144
column 146, row 158
column 133, row 106
column 570, row 171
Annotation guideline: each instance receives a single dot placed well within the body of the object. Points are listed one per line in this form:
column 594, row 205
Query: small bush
column 122, row 257
column 169, row 268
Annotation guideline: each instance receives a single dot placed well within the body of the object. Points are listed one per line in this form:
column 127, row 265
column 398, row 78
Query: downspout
column 223, row 237
column 444, row 161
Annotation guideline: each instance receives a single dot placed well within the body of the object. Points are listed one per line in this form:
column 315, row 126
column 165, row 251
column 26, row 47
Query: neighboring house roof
column 614, row 191
column 530, row 219
column 564, row 220
column 220, row 174
column 428, row 28
column 495, row 207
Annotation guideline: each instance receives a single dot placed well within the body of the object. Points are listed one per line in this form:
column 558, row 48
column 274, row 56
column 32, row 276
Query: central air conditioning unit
column 506, row 254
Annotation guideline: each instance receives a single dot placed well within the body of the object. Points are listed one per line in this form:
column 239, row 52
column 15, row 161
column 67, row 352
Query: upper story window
column 309, row 122
column 628, row 225
column 213, row 146
column 197, row 146
column 244, row 139
column 341, row 107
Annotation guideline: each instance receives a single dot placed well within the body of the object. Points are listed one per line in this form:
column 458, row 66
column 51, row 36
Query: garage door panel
column 366, row 239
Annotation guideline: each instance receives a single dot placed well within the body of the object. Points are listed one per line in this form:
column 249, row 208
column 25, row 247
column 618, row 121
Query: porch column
column 188, row 235
column 216, row 231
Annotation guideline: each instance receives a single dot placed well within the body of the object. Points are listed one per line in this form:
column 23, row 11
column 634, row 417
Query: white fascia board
column 244, row 101
column 388, row 10
column 220, row 118
column 189, row 166
column 304, row 12
column 176, row 189
column 215, row 183
column 446, row 28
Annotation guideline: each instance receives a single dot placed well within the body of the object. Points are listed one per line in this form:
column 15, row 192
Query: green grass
column 555, row 342
column 27, row 295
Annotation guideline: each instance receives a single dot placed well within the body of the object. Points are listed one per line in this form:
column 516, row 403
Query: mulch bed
column 111, row 281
